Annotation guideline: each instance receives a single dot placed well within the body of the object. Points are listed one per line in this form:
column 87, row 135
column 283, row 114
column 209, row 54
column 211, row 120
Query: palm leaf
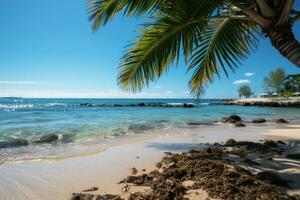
column 177, row 29
column 102, row 11
column 225, row 43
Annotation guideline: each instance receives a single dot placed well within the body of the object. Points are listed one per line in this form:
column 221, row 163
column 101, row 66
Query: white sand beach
column 58, row 179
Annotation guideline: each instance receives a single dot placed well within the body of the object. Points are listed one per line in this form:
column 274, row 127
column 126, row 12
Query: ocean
column 58, row 128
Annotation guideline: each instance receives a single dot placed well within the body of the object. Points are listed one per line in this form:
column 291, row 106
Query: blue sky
column 47, row 49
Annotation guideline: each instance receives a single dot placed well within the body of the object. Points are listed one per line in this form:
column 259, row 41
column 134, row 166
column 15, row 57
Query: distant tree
column 291, row 83
column 245, row 91
column 274, row 81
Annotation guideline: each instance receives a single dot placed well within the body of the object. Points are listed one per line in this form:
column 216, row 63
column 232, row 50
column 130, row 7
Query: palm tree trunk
column 283, row 39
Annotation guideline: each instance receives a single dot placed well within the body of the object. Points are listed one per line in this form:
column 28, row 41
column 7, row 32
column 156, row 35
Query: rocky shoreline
column 221, row 171
column 260, row 103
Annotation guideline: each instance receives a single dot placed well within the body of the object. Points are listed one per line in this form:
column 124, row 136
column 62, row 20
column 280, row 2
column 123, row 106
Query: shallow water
column 56, row 128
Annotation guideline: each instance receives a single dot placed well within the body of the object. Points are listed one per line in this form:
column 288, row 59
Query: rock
column 272, row 177
column 48, row 138
column 270, row 143
column 159, row 165
column 231, row 119
column 235, row 117
column 293, row 156
column 187, row 105
column 133, row 171
column 239, row 124
column 13, row 143
column 86, row 104
column 80, row 196
column 141, row 104
column 259, row 120
column 281, row 142
column 230, row 142
column 281, row 121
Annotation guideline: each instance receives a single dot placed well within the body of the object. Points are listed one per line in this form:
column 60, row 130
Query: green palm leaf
column 225, row 43
column 102, row 11
column 177, row 29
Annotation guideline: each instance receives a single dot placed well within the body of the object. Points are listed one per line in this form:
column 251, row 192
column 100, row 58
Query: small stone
column 137, row 157
column 133, row 171
column 125, row 188
column 91, row 189
column 239, row 124
column 281, row 142
column 143, row 170
column 259, row 120
column 281, row 121
column 230, row 142
column 159, row 165
column 235, row 117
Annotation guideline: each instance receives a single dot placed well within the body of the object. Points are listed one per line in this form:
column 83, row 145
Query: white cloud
column 249, row 74
column 169, row 92
column 157, row 87
column 185, row 92
column 18, row 82
column 241, row 81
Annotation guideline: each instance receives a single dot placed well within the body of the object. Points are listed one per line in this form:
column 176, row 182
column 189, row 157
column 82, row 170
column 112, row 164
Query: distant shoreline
column 262, row 102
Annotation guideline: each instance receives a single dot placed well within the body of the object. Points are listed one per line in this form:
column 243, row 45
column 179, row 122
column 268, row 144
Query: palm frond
column 102, row 11
column 225, row 43
column 158, row 47
column 177, row 29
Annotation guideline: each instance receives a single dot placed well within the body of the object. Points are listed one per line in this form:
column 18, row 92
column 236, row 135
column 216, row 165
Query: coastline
column 58, row 179
column 262, row 102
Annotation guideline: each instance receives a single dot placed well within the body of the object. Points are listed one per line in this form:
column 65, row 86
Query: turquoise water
column 33, row 128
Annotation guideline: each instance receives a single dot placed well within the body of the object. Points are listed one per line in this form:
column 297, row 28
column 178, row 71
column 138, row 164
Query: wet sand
column 58, row 179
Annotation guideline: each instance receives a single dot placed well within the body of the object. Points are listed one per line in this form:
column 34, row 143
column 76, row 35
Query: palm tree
column 212, row 35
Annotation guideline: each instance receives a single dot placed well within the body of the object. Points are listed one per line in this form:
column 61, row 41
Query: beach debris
column 133, row 170
column 281, row 121
column 210, row 169
column 268, row 146
column 232, row 182
column 143, row 170
column 137, row 157
column 272, row 177
column 91, row 189
column 258, row 120
column 239, row 124
column 125, row 188
column 159, row 164
column 95, row 197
